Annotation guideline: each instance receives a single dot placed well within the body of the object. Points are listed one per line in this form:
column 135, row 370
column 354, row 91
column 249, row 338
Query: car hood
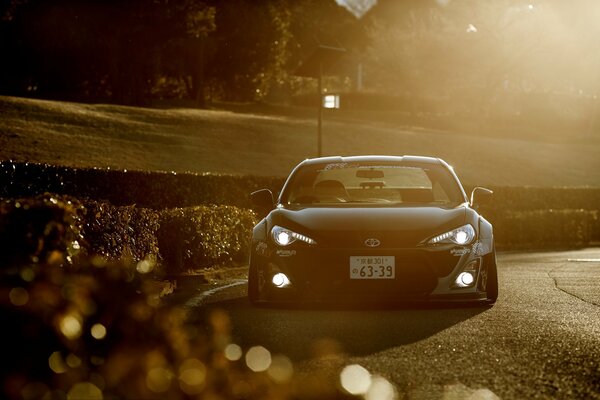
column 393, row 226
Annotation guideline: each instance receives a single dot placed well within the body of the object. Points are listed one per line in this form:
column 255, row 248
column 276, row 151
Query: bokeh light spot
column 57, row 363
column 281, row 369
column 145, row 266
column 27, row 274
column 73, row 361
column 159, row 379
column 355, row 379
column 381, row 389
column 18, row 296
column 258, row 359
column 98, row 331
column 70, row 327
column 84, row 391
column 35, row 390
column 233, row 352
column 192, row 376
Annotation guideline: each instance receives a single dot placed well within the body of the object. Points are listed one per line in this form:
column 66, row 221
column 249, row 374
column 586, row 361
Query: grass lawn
column 266, row 140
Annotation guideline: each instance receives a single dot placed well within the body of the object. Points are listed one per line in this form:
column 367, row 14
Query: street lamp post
column 321, row 62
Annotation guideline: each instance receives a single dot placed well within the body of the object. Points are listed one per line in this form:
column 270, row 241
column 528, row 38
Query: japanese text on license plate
column 376, row 267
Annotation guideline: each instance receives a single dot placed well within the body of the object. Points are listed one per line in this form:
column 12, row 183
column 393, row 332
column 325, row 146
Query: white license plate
column 376, row 267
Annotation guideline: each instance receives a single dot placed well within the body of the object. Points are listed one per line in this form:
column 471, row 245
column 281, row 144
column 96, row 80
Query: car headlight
column 463, row 235
column 284, row 237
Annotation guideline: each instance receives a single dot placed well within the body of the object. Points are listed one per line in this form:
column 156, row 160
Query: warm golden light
column 70, row 327
column 57, row 363
column 98, row 331
column 159, row 379
column 233, row 352
column 145, row 266
column 73, row 361
column 85, row 390
column 355, row 379
column 258, row 359
column 192, row 376
column 381, row 389
column 281, row 369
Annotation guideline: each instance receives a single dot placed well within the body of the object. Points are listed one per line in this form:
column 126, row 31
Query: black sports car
column 372, row 228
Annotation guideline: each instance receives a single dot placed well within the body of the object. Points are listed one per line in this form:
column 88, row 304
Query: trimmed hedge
column 545, row 228
column 156, row 190
column 49, row 226
column 120, row 231
column 199, row 237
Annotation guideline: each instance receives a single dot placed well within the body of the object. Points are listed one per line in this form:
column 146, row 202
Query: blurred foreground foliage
column 93, row 330
column 80, row 326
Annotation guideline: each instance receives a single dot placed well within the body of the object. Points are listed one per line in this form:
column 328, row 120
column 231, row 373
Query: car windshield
column 372, row 183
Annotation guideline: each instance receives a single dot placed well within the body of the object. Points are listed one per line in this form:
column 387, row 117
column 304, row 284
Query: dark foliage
column 133, row 51
column 39, row 229
column 200, row 237
column 120, row 232
column 156, row 190
column 51, row 227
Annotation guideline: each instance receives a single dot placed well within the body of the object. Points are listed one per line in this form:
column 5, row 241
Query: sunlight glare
column 471, row 28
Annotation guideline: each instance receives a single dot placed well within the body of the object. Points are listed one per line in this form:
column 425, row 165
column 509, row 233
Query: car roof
column 375, row 158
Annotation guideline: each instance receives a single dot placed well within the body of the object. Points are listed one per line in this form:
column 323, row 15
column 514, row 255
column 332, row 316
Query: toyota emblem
column 372, row 242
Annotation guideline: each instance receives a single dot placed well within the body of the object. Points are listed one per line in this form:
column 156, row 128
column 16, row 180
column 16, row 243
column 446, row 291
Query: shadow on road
column 306, row 333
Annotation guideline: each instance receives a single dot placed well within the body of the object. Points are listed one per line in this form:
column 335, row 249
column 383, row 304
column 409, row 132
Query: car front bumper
column 323, row 274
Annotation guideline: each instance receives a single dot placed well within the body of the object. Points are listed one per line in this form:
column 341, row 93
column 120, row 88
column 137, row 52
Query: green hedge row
column 52, row 226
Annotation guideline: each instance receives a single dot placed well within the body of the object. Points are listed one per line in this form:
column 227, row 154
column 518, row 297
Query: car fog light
column 465, row 279
column 280, row 280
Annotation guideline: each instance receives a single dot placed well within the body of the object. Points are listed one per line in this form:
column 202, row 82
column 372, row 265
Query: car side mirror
column 263, row 202
column 480, row 196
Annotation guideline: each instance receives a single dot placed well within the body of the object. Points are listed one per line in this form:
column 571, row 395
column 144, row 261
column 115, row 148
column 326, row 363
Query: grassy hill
column 271, row 140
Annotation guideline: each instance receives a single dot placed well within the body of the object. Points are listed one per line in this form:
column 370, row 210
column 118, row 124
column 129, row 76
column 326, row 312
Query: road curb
column 216, row 293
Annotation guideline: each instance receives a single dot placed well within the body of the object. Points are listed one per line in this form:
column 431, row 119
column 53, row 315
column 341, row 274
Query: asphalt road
column 540, row 340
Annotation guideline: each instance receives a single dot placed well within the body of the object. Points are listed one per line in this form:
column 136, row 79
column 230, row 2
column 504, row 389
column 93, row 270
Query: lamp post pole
column 320, row 111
